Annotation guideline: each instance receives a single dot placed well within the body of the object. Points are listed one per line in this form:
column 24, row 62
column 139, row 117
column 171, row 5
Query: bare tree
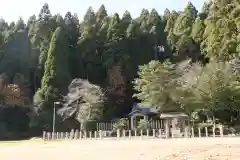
column 84, row 102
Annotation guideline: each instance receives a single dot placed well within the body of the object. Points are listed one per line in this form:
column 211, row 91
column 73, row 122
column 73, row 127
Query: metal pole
column 54, row 116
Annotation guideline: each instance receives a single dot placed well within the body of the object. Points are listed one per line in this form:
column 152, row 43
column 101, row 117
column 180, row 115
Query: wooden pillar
column 145, row 117
column 166, row 122
column 131, row 119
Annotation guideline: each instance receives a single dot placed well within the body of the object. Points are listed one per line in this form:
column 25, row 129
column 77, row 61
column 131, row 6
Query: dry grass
column 135, row 149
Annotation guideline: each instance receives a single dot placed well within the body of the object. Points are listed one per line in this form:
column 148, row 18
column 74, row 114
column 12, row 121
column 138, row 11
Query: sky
column 11, row 10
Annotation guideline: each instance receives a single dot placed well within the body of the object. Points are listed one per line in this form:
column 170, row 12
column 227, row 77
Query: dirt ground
column 135, row 149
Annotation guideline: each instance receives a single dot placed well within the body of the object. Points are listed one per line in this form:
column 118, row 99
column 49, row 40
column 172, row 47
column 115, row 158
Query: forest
column 181, row 60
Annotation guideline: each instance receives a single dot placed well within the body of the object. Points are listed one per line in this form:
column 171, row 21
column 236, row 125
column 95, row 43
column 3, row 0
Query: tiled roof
column 139, row 109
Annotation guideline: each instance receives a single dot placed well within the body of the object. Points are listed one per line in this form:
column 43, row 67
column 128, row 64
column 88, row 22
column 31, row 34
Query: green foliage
column 198, row 30
column 101, row 14
column 56, row 77
column 14, row 121
column 221, row 35
column 185, row 20
column 156, row 84
column 212, row 88
column 122, row 124
column 20, row 25
column 143, row 124
column 215, row 87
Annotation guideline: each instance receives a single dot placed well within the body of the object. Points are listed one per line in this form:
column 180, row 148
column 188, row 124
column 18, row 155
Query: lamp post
column 54, row 115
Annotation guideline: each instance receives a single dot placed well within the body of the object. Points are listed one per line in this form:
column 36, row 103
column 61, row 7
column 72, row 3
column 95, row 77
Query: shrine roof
column 143, row 110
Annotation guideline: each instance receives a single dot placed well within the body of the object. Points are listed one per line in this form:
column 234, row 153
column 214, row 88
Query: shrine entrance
column 174, row 123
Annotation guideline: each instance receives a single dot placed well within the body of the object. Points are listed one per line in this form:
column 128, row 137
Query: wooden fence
column 131, row 134
column 105, row 126
column 108, row 126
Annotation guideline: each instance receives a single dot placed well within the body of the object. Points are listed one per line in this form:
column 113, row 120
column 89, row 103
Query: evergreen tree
column 40, row 33
column 126, row 19
column 221, row 34
column 114, row 51
column 158, row 36
column 183, row 25
column 156, row 85
column 90, row 17
column 3, row 25
column 171, row 37
column 45, row 13
column 185, row 46
column 20, row 24
column 198, row 30
column 56, row 74
column 166, row 16
column 31, row 21
column 72, row 27
column 101, row 14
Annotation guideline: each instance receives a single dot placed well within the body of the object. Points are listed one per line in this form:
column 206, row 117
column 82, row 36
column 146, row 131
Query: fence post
column 118, row 134
column 62, row 135
column 66, row 135
column 90, row 135
column 76, row 134
column 154, row 136
column 57, row 137
column 100, row 134
column 129, row 134
column 160, row 133
column 213, row 131
column 53, row 136
column 141, row 133
column 44, row 135
column 206, row 130
column 167, row 133
column 147, row 133
column 193, row 135
column 72, row 134
column 135, row 133
column 80, row 134
column 221, row 130
column 186, row 132
column 48, row 135
column 124, row 134
column 199, row 132
column 95, row 135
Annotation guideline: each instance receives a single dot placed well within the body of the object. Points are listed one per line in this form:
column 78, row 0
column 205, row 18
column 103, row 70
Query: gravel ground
column 135, row 149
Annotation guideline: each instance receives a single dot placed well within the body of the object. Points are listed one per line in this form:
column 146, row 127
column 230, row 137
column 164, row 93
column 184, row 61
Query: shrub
column 122, row 124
